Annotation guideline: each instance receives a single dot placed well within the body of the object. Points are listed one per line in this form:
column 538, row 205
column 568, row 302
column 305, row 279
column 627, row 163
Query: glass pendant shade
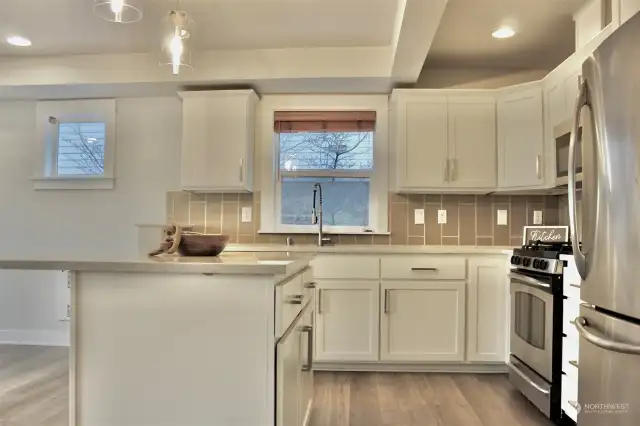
column 175, row 44
column 120, row 11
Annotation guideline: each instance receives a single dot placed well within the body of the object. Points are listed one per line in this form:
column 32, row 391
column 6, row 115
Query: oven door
column 532, row 322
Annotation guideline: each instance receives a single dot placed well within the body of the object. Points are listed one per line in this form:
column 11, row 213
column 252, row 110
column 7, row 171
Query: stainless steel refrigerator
column 609, row 259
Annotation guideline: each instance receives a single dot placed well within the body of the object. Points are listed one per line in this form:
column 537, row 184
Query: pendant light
column 175, row 48
column 120, row 11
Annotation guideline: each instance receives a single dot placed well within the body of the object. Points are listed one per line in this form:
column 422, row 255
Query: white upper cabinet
column 628, row 8
column 445, row 141
column 421, row 141
column 472, row 142
column 589, row 21
column 521, row 137
column 218, row 140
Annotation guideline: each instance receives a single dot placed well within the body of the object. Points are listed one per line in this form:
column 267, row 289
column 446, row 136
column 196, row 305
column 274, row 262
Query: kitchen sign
column 546, row 234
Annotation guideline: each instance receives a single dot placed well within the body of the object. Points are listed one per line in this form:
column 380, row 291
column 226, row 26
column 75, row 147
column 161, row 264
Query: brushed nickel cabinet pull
column 320, row 301
column 242, row 170
column 452, row 170
column 446, row 170
column 295, row 299
column 309, row 365
column 310, row 284
column 386, row 300
column 423, row 269
column 538, row 166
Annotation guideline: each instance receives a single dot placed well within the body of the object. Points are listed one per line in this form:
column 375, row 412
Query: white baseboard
column 412, row 367
column 34, row 337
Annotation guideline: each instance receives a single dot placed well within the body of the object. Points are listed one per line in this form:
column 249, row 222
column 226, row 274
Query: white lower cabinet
column 347, row 317
column 487, row 321
column 422, row 321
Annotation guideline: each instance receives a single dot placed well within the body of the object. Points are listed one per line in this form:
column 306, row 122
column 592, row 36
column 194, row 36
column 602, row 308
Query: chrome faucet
column 316, row 215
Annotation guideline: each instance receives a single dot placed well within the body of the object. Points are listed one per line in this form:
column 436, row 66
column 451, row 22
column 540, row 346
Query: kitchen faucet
column 316, row 215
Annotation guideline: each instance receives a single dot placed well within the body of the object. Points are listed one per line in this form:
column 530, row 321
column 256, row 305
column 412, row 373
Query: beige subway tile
column 230, row 197
column 214, row 215
column 214, row 198
column 433, row 198
column 398, row 223
column 346, row 239
column 195, row 196
column 518, row 215
column 230, row 218
column 551, row 214
column 449, row 241
column 416, row 201
column 450, row 229
column 181, row 208
column 197, row 213
column 365, row 240
column 516, row 241
column 531, row 207
column 416, row 241
column 245, row 197
column 484, row 241
column 397, row 198
column 246, row 238
column 256, row 217
column 460, row 198
column 501, row 233
column 433, row 230
column 467, row 224
column 539, row 199
column 381, row 240
column 233, row 238
column 484, row 215
column 199, row 228
column 263, row 239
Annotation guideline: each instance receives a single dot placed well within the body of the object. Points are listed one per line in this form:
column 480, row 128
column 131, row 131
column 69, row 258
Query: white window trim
column 267, row 147
column 76, row 111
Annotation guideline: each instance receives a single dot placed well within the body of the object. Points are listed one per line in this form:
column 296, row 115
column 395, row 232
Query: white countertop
column 228, row 263
column 369, row 249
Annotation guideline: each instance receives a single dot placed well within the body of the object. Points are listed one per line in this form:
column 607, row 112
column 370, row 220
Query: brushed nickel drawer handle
column 386, row 300
column 423, row 269
column 295, row 299
column 309, row 365
column 310, row 284
column 320, row 301
column 602, row 342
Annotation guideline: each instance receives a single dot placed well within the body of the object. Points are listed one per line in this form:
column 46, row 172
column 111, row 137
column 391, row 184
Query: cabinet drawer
column 290, row 298
column 346, row 267
column 421, row 267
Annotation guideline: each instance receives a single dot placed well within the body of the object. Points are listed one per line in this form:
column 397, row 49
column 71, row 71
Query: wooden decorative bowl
column 188, row 243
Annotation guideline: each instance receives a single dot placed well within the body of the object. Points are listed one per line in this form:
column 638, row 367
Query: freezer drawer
column 609, row 380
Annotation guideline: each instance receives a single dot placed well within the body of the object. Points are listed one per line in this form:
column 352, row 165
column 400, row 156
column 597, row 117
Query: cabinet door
column 557, row 111
column 216, row 136
column 422, row 321
column 628, row 8
column 306, row 387
column 487, row 303
column 521, row 140
column 347, row 319
column 472, row 142
column 571, row 90
column 421, row 132
column 289, row 377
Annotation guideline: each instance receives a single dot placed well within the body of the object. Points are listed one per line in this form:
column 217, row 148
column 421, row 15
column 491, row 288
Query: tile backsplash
column 471, row 219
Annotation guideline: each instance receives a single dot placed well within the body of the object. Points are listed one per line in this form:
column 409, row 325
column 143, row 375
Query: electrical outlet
column 418, row 216
column 246, row 214
column 502, row 217
column 537, row 217
column 442, row 217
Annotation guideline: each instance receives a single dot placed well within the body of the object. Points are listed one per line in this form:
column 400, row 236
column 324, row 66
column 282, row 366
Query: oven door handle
column 602, row 342
column 526, row 378
column 528, row 280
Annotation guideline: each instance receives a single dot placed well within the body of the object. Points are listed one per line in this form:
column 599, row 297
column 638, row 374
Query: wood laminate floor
column 34, row 392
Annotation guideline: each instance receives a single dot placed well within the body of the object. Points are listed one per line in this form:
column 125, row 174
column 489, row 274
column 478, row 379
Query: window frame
column 271, row 175
column 49, row 116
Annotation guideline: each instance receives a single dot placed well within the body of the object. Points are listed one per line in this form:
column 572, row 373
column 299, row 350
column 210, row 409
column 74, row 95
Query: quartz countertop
column 369, row 249
column 245, row 263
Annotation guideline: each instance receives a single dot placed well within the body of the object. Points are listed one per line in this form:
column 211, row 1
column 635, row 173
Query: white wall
column 78, row 224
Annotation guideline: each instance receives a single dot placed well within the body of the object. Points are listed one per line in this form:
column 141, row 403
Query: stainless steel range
column 535, row 364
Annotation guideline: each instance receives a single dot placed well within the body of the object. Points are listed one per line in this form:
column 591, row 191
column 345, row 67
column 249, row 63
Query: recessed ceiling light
column 19, row 41
column 503, row 32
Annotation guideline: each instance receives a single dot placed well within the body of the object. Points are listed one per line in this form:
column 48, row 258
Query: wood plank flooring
column 34, row 392
column 420, row 399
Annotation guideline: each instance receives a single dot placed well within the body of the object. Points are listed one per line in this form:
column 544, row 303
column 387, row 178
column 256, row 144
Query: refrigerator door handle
column 602, row 342
column 579, row 256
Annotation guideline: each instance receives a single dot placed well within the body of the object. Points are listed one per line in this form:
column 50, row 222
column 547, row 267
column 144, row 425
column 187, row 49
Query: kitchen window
column 334, row 149
column 77, row 144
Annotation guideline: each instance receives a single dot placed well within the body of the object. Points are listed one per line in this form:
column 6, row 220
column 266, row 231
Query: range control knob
column 543, row 264
column 515, row 260
column 536, row 262
column 526, row 261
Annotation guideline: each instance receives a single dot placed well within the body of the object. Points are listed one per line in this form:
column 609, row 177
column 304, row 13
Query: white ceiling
column 545, row 34
column 68, row 26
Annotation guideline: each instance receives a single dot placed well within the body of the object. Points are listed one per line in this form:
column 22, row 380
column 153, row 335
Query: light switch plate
column 537, row 217
column 502, row 217
column 418, row 216
column 442, row 217
column 246, row 214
